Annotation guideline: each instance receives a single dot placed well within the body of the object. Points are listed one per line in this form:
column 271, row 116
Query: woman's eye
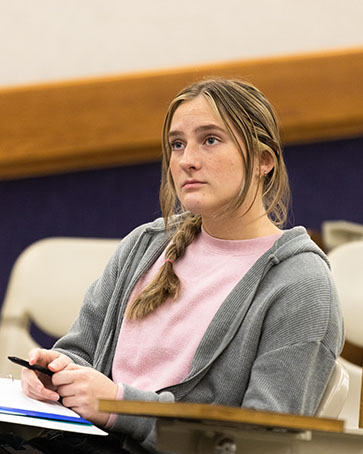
column 211, row 140
column 176, row 145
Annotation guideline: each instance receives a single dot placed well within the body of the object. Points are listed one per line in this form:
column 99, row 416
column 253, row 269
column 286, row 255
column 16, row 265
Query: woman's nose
column 190, row 158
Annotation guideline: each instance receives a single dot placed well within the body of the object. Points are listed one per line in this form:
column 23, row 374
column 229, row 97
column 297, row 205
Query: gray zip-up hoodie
column 271, row 345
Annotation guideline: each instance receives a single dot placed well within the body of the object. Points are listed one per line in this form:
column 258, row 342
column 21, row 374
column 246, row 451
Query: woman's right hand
column 37, row 385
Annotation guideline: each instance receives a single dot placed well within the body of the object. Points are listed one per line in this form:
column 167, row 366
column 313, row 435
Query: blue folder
column 42, row 415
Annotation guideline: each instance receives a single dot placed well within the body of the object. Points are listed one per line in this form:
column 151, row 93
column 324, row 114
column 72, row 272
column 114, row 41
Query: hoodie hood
column 295, row 241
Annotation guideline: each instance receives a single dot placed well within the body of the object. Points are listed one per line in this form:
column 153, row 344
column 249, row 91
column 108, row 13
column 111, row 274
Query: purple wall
column 326, row 180
column 103, row 203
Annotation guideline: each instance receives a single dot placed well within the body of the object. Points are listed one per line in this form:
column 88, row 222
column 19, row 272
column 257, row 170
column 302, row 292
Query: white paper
column 11, row 395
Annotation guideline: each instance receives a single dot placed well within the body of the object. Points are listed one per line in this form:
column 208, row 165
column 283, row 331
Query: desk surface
column 222, row 414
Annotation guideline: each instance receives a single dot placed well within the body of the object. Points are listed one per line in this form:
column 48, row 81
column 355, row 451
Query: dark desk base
column 183, row 437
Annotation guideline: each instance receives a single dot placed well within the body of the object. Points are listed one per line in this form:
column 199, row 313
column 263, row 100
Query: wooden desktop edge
column 223, row 414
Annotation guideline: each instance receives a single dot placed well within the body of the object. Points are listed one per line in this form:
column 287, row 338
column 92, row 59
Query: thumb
column 59, row 363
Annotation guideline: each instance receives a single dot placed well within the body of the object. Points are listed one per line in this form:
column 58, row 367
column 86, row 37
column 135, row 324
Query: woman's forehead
column 195, row 112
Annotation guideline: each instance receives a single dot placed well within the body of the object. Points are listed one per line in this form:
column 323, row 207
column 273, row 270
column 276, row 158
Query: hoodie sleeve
column 81, row 342
column 142, row 430
column 302, row 336
column 98, row 310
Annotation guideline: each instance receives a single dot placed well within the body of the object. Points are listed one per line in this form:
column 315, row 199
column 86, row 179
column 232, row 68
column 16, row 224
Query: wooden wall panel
column 92, row 123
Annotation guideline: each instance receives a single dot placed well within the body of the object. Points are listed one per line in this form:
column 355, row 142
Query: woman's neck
column 235, row 226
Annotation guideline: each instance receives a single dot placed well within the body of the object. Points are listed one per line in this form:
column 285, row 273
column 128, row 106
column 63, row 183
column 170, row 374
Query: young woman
column 213, row 303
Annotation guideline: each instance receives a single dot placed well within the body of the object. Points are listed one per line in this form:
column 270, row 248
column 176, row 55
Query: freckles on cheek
column 232, row 164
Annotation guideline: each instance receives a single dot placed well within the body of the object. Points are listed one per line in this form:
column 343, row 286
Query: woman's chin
column 198, row 210
column 199, row 206
column 195, row 208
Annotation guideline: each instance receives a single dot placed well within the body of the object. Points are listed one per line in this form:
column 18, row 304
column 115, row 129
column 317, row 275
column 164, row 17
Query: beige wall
column 46, row 40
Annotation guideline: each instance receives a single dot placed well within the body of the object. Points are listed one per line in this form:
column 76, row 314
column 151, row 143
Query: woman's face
column 206, row 165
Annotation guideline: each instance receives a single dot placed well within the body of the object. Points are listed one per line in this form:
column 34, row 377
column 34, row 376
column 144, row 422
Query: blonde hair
column 245, row 110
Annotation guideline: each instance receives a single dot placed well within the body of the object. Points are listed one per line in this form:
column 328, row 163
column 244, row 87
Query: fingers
column 54, row 360
column 40, row 386
column 81, row 387
column 38, row 356
column 42, row 356
column 72, row 385
column 72, row 373
column 59, row 363
column 34, row 387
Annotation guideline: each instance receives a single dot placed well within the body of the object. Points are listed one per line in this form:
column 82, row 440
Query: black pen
column 22, row 362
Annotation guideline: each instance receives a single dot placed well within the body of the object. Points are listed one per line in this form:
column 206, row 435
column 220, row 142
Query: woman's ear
column 266, row 163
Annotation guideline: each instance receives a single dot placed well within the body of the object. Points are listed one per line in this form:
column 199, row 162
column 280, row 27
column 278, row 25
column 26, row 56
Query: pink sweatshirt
column 157, row 351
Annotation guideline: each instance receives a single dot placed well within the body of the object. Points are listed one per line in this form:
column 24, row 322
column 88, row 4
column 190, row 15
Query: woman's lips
column 188, row 184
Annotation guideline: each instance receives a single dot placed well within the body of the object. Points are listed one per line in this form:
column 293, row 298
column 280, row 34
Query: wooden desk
column 184, row 428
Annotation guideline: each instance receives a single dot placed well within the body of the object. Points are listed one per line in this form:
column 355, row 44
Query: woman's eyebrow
column 175, row 133
column 198, row 129
column 209, row 127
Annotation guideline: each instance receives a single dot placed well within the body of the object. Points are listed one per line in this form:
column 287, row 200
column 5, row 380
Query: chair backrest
column 335, row 393
column 347, row 269
column 351, row 408
column 46, row 286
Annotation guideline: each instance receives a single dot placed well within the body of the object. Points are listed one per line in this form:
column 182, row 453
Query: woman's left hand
column 80, row 388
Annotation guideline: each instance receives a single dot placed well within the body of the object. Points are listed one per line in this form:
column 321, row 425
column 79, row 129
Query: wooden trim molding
column 104, row 122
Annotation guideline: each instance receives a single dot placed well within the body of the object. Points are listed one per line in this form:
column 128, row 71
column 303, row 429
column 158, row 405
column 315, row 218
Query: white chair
column 351, row 407
column 335, row 393
column 46, row 286
column 347, row 268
